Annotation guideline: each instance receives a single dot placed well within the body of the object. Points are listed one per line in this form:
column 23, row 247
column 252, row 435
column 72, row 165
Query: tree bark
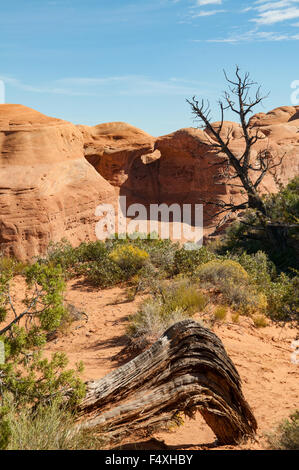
column 186, row 370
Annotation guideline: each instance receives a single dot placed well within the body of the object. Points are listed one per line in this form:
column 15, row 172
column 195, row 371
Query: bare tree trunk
column 186, row 370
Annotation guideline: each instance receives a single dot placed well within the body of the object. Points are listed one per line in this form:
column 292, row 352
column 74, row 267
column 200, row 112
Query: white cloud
column 52, row 89
column 207, row 13
column 208, row 2
column 275, row 16
column 262, row 13
column 254, row 35
column 129, row 85
column 274, row 12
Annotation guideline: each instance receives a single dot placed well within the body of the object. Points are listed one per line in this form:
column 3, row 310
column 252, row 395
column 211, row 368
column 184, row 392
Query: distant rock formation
column 53, row 174
column 112, row 148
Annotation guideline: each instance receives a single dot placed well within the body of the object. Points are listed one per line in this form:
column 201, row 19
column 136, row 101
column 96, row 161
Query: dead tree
column 245, row 171
column 236, row 166
column 186, row 370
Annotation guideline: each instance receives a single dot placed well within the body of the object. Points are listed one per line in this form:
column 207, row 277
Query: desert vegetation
column 226, row 277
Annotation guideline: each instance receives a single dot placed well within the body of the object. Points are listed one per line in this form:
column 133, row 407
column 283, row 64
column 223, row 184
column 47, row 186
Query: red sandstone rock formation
column 112, row 148
column 48, row 190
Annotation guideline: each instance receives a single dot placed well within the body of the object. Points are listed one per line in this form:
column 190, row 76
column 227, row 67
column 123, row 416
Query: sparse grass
column 220, row 312
column 286, row 436
column 174, row 303
column 260, row 321
column 50, row 427
column 235, row 317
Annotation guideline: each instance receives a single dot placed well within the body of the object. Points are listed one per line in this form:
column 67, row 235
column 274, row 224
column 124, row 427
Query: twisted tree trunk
column 186, row 370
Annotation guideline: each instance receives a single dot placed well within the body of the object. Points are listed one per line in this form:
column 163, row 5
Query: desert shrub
column 61, row 253
column 251, row 232
column 73, row 260
column 104, row 273
column 162, row 254
column 260, row 321
column 283, row 299
column 231, row 279
column 51, row 427
column 8, row 264
column 286, row 436
column 184, row 295
column 187, row 261
column 276, row 295
column 148, row 278
column 91, row 251
column 117, row 259
column 220, row 312
column 235, row 317
column 174, row 303
column 129, row 258
column 161, row 251
column 219, row 271
column 30, row 378
column 243, row 297
column 259, row 268
column 148, row 325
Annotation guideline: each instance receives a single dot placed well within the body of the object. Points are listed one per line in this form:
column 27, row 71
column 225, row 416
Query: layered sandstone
column 47, row 188
column 112, row 148
column 54, row 174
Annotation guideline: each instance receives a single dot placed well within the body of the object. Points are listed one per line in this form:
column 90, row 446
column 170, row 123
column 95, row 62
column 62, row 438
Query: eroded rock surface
column 47, row 188
column 54, row 174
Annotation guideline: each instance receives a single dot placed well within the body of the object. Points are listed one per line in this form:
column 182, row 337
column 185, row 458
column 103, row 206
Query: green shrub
column 286, row 436
column 231, row 279
column 11, row 265
column 187, row 261
column 217, row 271
column 30, row 378
column 243, row 297
column 283, row 299
column 129, row 258
column 63, row 254
column 252, row 232
column 259, row 268
column 104, row 273
column 148, row 324
column 235, row 317
column 162, row 254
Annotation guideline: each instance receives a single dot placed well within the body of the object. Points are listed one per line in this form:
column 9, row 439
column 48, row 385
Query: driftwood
column 186, row 370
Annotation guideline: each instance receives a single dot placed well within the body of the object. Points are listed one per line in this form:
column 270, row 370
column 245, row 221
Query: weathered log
column 186, row 370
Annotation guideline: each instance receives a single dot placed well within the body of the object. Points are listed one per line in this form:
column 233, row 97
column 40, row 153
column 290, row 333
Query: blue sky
column 96, row 61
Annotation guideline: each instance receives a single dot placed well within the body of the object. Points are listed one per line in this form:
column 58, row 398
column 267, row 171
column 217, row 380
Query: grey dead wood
column 186, row 370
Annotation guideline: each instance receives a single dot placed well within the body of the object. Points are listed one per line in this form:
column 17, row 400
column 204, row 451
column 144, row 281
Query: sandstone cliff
column 53, row 174
column 47, row 188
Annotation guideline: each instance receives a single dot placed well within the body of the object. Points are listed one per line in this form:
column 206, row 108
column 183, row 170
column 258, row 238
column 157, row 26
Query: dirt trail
column 262, row 357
